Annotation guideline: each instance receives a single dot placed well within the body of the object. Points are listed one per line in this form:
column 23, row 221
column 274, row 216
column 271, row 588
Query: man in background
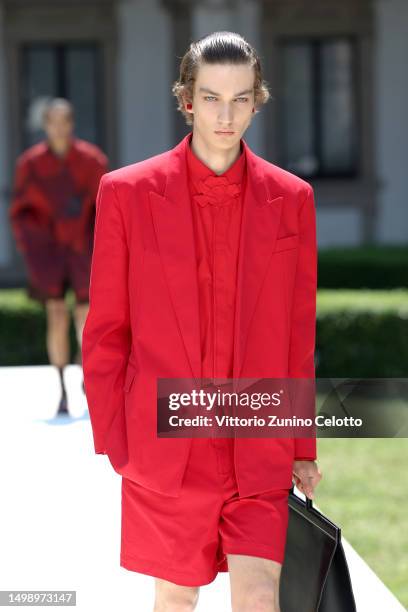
column 52, row 215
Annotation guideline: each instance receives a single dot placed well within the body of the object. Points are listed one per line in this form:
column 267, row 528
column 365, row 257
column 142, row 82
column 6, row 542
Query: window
column 318, row 113
column 70, row 71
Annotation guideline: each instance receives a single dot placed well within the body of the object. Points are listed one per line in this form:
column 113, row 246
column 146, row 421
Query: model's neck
column 60, row 147
column 218, row 160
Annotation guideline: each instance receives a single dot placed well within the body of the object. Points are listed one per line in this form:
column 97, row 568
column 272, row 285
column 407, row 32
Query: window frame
column 316, row 41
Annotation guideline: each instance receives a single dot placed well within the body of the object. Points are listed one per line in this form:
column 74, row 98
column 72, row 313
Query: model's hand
column 306, row 475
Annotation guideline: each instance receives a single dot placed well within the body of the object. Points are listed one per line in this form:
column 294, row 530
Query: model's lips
column 226, row 132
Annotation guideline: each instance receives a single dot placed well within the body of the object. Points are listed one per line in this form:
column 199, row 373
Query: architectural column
column 391, row 103
column 5, row 237
column 144, row 79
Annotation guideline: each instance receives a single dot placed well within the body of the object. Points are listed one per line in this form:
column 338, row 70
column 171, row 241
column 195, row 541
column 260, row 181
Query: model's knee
column 260, row 597
column 80, row 312
column 175, row 598
column 57, row 311
column 176, row 604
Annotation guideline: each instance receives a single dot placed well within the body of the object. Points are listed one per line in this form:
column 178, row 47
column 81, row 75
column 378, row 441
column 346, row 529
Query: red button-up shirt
column 216, row 202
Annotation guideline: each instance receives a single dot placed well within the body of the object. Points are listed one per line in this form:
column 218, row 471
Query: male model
column 52, row 215
column 204, row 267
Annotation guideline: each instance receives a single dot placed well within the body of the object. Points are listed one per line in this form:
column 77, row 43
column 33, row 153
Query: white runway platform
column 60, row 507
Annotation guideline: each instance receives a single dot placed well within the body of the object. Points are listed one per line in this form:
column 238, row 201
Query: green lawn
column 366, row 300
column 364, row 490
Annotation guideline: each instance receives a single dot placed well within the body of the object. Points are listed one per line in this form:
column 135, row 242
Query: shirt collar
column 199, row 170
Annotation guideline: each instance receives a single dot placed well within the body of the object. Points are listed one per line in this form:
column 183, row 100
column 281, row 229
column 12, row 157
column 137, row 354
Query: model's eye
column 243, row 99
column 207, row 97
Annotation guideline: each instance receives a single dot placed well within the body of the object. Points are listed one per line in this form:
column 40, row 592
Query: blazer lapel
column 173, row 223
column 261, row 214
column 174, row 229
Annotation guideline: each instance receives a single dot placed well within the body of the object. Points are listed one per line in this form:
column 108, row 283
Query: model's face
column 223, row 99
column 58, row 125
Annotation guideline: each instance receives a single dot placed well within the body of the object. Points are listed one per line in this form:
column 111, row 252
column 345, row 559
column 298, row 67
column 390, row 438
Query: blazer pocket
column 130, row 375
column 286, row 243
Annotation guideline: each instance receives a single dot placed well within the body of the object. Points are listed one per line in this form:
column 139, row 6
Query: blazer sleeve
column 106, row 339
column 303, row 317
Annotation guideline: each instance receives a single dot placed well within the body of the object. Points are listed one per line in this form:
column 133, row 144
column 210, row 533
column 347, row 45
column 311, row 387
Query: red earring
column 189, row 106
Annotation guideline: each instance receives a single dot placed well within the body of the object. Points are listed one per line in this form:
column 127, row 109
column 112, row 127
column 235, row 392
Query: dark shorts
column 185, row 540
column 55, row 268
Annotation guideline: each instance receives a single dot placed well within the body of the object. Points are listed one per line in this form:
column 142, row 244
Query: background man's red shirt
column 54, row 197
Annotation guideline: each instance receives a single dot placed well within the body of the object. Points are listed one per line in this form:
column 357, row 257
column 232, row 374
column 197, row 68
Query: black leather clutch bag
column 315, row 575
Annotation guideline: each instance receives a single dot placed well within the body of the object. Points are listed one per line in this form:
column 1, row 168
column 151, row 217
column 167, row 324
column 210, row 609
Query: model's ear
column 186, row 98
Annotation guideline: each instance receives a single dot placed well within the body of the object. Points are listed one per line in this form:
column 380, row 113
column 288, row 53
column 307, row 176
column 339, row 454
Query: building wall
column 152, row 34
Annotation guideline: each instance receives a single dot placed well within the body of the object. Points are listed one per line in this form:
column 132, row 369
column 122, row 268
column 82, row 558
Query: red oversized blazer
column 143, row 319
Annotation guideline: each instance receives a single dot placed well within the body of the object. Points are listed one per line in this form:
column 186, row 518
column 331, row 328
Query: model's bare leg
column 254, row 583
column 80, row 314
column 57, row 332
column 170, row 597
column 58, row 319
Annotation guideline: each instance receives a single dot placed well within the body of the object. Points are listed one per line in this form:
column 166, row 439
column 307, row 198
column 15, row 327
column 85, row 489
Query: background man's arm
column 100, row 166
column 24, row 215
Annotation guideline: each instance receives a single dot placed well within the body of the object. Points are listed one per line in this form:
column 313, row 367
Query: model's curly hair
column 217, row 48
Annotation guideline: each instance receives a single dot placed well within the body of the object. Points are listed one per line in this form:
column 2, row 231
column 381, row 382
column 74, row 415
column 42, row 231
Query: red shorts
column 54, row 268
column 185, row 539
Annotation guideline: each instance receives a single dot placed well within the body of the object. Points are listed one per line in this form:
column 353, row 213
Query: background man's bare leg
column 58, row 319
column 80, row 314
